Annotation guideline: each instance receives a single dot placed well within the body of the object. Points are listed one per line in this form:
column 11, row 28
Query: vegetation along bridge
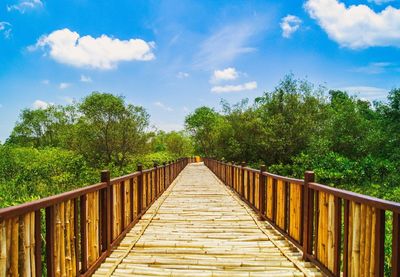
column 184, row 219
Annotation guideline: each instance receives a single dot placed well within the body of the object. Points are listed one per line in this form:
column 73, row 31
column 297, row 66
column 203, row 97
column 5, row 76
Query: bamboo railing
column 341, row 232
column 81, row 226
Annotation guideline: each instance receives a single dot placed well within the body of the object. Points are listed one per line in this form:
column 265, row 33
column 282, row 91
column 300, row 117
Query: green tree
column 45, row 127
column 203, row 124
column 109, row 130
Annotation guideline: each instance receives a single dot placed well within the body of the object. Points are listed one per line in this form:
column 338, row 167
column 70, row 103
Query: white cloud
column 182, row 75
column 356, row 26
column 103, row 52
column 185, row 109
column 289, row 25
column 5, row 28
column 64, row 85
column 39, row 104
column 229, row 73
column 367, row 93
column 26, row 5
column 380, row 2
column 163, row 106
column 45, row 82
column 234, row 88
column 373, row 68
column 86, row 79
column 226, row 44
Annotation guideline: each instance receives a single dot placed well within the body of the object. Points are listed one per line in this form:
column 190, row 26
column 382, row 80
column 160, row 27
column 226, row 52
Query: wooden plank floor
column 200, row 228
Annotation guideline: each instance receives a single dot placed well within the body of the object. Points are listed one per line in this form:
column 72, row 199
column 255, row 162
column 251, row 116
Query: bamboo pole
column 89, row 238
column 33, row 244
column 14, row 247
column 68, row 260
column 57, row 248
column 96, row 225
column 269, row 198
column 3, row 248
column 73, row 238
column 362, row 238
column 26, row 245
column 373, row 242
column 356, row 240
column 368, row 228
column 8, row 243
column 62, row 238
column 331, row 232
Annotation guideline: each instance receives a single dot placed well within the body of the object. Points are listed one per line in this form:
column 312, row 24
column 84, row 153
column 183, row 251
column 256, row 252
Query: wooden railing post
column 140, row 190
column 165, row 177
column 156, row 180
column 233, row 174
column 261, row 192
column 308, row 206
column 242, row 181
column 107, row 225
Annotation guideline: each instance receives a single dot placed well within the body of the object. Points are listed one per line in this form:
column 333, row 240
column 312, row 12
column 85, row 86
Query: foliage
column 110, row 130
column 29, row 173
column 177, row 144
column 61, row 148
column 349, row 143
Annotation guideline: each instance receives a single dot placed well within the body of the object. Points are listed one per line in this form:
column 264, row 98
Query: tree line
column 349, row 142
column 60, row 148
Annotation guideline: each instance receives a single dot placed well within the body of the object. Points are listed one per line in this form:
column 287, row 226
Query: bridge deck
column 198, row 227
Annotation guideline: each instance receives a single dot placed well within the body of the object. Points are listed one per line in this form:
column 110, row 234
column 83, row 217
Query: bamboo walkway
column 198, row 227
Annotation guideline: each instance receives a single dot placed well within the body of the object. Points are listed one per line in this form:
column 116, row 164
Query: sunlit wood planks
column 201, row 230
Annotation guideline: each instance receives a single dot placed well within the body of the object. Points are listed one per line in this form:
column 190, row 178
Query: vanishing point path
column 199, row 227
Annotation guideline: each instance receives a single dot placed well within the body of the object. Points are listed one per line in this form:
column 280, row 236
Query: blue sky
column 173, row 56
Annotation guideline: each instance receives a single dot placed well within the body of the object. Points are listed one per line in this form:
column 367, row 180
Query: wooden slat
column 270, row 199
column 38, row 244
column 50, row 229
column 83, row 235
column 281, row 204
column 295, row 211
column 396, row 245
column 202, row 229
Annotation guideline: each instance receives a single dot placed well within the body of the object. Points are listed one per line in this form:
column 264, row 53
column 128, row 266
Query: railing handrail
column 45, row 202
column 340, row 231
column 81, row 226
column 358, row 197
column 344, row 194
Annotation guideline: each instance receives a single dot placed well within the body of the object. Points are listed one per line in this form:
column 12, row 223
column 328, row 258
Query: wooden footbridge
column 187, row 218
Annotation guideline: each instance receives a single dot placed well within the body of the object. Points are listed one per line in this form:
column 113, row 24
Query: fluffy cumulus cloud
column 40, row 104
column 68, row 47
column 356, row 26
column 289, row 25
column 229, row 73
column 5, row 28
column 25, row 5
column 234, row 88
